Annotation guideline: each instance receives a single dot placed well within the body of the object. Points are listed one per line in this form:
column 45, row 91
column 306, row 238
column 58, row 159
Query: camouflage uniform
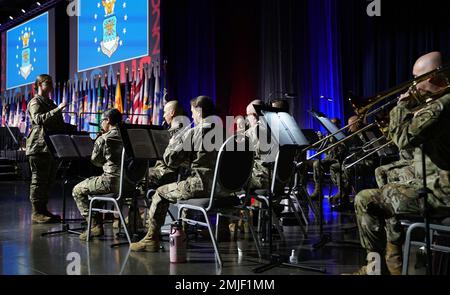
column 377, row 209
column 399, row 171
column 260, row 177
column 107, row 154
column 161, row 173
column 331, row 163
column 45, row 117
column 197, row 185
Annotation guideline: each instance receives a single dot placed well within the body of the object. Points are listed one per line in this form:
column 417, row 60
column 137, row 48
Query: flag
column 100, row 95
column 74, row 108
column 151, row 91
column 126, row 96
column 118, row 101
column 110, row 92
column 132, row 93
column 157, row 101
column 141, row 98
column 93, row 95
column 146, row 104
column 23, row 115
column 106, row 93
column 87, row 106
column 137, row 99
column 64, row 99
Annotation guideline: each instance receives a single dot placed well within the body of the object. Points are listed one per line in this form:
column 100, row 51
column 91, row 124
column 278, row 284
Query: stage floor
column 24, row 252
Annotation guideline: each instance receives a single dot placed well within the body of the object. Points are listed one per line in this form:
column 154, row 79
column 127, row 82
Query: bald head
column 172, row 109
column 427, row 63
column 355, row 124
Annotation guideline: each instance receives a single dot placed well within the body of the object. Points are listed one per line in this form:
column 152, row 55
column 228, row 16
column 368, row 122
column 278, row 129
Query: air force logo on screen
column 27, row 66
column 111, row 31
column 110, row 37
column 27, row 51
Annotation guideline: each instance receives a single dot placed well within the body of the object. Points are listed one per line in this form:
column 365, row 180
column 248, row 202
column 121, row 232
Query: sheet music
column 329, row 126
column 285, row 129
column 142, row 144
column 64, row 146
column 84, row 145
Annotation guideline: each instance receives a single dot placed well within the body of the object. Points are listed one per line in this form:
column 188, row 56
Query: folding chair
column 231, row 175
column 436, row 229
column 131, row 172
column 281, row 179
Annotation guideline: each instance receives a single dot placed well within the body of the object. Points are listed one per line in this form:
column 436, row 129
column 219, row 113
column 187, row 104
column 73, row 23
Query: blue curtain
column 189, row 48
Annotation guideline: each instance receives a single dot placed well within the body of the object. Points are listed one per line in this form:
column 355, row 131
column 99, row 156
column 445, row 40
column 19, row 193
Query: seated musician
column 198, row 184
column 161, row 173
column 107, row 154
column 377, row 210
column 332, row 163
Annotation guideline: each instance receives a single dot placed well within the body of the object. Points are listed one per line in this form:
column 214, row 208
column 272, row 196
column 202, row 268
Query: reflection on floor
column 24, row 252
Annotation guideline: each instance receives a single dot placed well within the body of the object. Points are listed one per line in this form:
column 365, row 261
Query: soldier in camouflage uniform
column 332, row 162
column 198, row 185
column 377, row 210
column 162, row 174
column 260, row 174
column 107, row 154
column 45, row 117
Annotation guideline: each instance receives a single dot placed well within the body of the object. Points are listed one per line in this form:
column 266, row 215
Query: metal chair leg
column 298, row 218
column 122, row 220
column 258, row 248
column 216, row 249
column 89, row 220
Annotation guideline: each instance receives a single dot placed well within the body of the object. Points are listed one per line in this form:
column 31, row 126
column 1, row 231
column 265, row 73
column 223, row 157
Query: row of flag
column 140, row 99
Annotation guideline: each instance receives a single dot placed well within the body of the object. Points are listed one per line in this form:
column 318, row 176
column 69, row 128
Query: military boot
column 40, row 215
column 96, row 229
column 316, row 192
column 363, row 271
column 54, row 217
column 150, row 243
column 394, row 260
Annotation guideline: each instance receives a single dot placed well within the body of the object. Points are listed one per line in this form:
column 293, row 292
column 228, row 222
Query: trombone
column 441, row 76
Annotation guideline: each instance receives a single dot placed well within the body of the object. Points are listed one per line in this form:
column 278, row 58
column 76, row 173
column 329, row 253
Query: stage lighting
column 39, row 4
column 23, row 10
column 11, row 18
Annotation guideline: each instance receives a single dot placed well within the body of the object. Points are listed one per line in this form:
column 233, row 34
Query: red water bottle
column 177, row 241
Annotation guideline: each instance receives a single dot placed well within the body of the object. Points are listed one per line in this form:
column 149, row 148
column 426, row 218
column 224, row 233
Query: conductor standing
column 45, row 117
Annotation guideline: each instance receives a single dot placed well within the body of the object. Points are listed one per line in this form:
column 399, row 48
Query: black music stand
column 68, row 148
column 284, row 132
column 142, row 143
column 326, row 238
